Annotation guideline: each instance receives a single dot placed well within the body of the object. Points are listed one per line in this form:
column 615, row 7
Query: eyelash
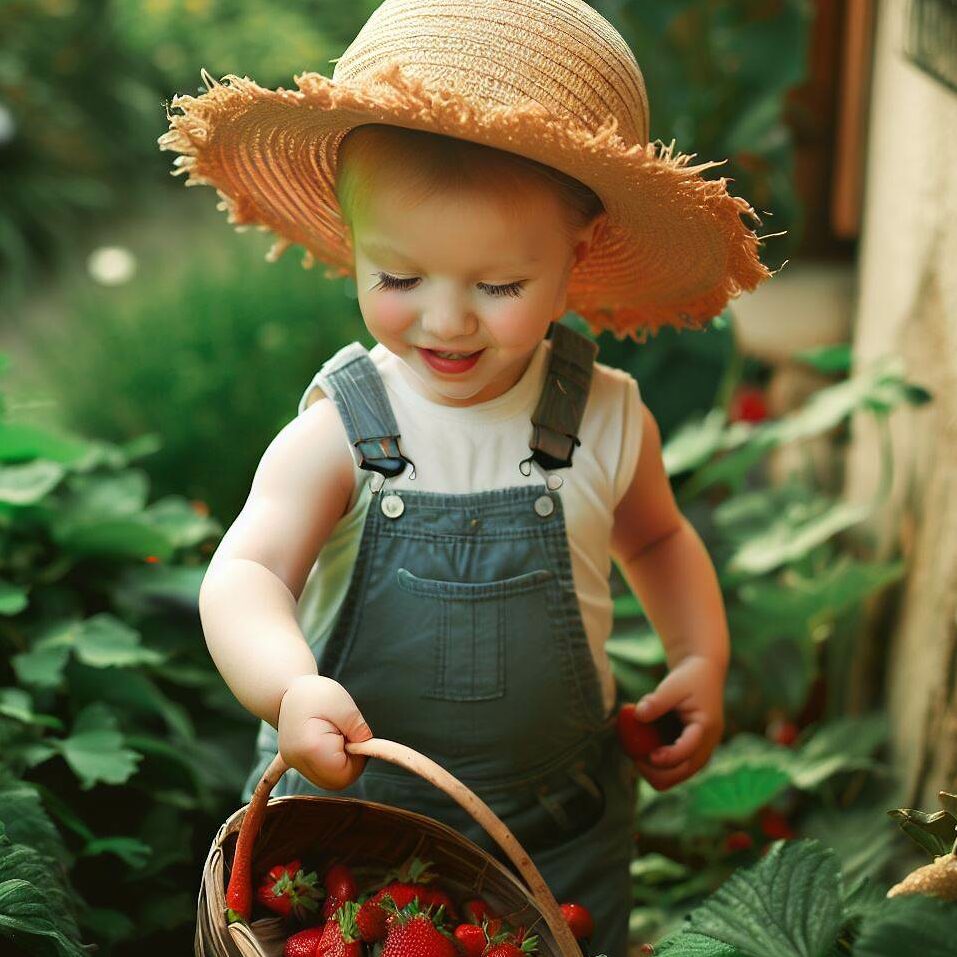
column 394, row 282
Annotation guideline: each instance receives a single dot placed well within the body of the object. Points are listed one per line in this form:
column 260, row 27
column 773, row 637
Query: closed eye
column 394, row 282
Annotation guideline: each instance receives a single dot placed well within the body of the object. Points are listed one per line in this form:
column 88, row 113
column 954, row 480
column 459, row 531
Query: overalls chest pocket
column 472, row 627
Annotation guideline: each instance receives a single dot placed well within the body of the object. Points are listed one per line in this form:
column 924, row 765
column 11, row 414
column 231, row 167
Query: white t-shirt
column 477, row 448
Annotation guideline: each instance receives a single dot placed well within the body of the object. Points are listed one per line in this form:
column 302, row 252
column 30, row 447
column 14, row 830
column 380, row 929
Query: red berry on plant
column 738, row 841
column 775, row 825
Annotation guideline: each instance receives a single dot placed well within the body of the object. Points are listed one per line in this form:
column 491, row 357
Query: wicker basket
column 363, row 832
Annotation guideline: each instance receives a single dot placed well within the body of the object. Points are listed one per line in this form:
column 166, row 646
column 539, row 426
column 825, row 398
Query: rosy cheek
column 513, row 323
column 388, row 312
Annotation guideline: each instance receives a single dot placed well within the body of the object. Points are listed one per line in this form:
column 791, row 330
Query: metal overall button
column 392, row 505
column 544, row 505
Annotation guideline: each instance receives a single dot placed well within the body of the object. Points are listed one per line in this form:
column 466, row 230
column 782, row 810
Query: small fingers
column 671, row 755
column 661, row 780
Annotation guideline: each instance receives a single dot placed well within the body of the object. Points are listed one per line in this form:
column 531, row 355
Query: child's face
column 462, row 273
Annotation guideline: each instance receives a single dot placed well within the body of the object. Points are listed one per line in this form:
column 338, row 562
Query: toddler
column 425, row 551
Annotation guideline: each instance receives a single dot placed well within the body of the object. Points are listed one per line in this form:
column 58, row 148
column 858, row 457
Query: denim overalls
column 460, row 635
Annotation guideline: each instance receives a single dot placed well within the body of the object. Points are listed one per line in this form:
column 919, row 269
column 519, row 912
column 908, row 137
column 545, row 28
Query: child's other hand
column 694, row 688
column 316, row 717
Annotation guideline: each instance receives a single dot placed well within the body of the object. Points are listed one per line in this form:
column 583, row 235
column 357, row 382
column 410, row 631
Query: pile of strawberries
column 400, row 913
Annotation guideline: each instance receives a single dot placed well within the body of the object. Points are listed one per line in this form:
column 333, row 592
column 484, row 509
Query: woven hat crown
column 562, row 56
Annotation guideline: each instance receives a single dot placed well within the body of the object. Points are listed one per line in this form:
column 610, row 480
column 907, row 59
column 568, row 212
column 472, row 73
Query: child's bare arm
column 669, row 570
column 248, row 598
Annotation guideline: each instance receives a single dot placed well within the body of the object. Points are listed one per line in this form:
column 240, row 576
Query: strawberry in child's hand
column 340, row 936
column 304, row 943
column 412, row 933
column 286, row 890
column 639, row 738
column 579, row 920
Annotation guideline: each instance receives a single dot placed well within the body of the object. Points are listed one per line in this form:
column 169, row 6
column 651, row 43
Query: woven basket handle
column 426, row 768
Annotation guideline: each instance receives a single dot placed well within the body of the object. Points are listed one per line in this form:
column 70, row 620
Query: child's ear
column 587, row 236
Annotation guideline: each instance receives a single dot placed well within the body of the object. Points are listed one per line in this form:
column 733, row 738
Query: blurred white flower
column 8, row 125
column 111, row 265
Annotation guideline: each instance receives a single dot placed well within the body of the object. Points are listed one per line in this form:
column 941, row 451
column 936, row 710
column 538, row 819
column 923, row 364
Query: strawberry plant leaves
column 737, row 794
column 95, row 750
column 104, row 641
column 27, row 822
column 841, row 745
column 13, row 598
column 641, row 648
column 127, row 849
column 35, row 906
column 912, row 924
column 27, row 484
column 935, row 833
column 22, row 442
column 179, row 520
column 828, row 359
column 788, row 904
column 686, row 944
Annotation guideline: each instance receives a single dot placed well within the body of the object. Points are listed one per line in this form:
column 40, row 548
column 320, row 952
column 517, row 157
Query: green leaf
column 95, row 750
column 27, row 484
column 687, row 944
column 157, row 587
column 99, row 496
column 20, row 443
column 26, row 820
column 128, row 849
column 17, row 704
column 841, row 745
column 693, row 443
column 792, row 538
column 626, row 606
column 911, row 924
column 120, row 538
column 35, row 902
column 828, row 359
column 654, row 868
column 737, row 794
column 42, row 666
column 182, row 525
column 788, row 904
column 13, row 598
column 104, row 641
column 935, row 833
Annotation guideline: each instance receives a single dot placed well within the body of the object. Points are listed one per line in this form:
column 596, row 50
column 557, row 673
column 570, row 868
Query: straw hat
column 551, row 80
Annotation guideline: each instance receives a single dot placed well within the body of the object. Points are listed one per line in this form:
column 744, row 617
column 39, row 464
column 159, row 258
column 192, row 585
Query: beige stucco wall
column 907, row 304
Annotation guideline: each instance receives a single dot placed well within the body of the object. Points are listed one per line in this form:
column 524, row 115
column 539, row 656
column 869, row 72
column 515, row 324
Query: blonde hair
column 421, row 164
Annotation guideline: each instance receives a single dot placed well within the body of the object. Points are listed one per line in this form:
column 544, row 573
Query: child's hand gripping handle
column 239, row 892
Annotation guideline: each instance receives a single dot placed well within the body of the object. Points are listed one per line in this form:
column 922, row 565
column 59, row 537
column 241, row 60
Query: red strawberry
column 412, row 933
column 438, row 898
column 578, row 919
column 471, row 939
column 340, row 936
column 340, row 883
column 304, row 943
column 775, row 825
column 738, row 841
column 286, row 890
column 748, row 404
column 475, row 909
column 638, row 739
column 402, row 893
column 371, row 921
column 512, row 949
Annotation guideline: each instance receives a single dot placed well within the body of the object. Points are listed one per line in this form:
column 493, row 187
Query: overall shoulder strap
column 352, row 381
column 558, row 415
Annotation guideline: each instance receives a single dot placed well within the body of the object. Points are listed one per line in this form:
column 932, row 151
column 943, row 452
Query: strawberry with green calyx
column 513, row 949
column 287, row 890
column 340, row 936
column 304, row 943
column 413, row 932
column 371, row 920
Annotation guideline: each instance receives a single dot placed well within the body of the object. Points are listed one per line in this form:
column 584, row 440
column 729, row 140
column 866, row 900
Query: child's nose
column 451, row 319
